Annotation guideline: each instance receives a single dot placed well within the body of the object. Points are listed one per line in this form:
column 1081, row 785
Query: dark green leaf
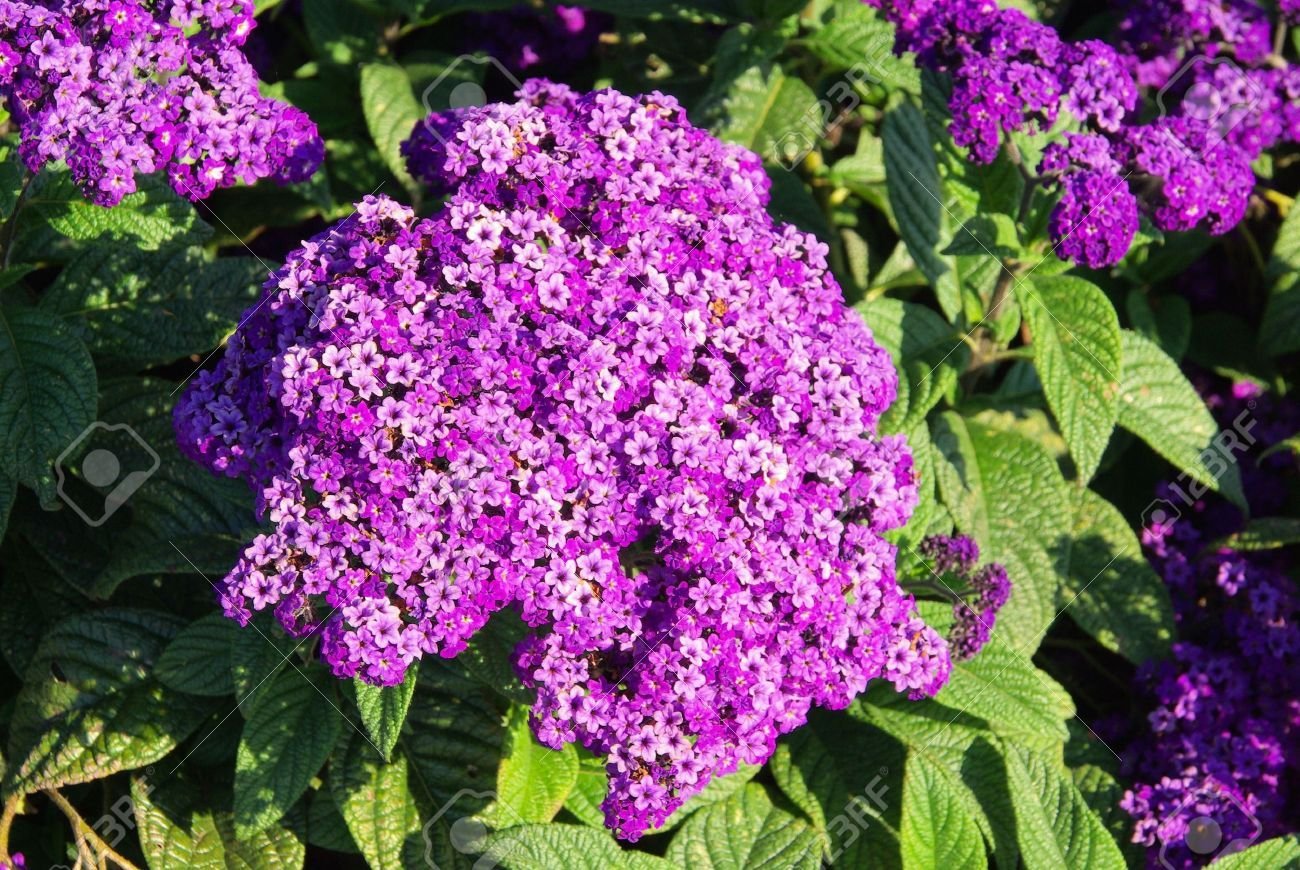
column 383, row 709
column 197, row 661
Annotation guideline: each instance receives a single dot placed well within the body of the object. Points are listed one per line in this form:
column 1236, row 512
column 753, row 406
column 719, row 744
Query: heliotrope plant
column 602, row 386
column 741, row 453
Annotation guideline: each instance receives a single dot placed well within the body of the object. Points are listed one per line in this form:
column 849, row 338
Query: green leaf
column 8, row 495
column 1265, row 533
column 258, row 652
column 181, row 827
column 1157, row 404
column 573, row 847
column 996, row 484
column 326, row 828
column 916, row 196
column 143, row 307
column 1016, row 700
column 290, row 731
column 1103, row 793
column 746, row 830
column 849, row 798
column 936, row 829
column 1110, row 590
column 343, row 31
column 90, row 706
column 453, row 738
column 1055, row 827
column 1077, row 354
column 376, row 801
column 858, row 38
column 392, row 111
column 533, row 781
column 993, row 234
column 197, row 662
column 1268, row 855
column 153, row 217
column 383, row 709
column 1279, row 331
column 47, row 395
column 773, row 115
column 926, row 350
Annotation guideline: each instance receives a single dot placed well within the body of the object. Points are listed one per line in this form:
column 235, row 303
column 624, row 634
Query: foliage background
column 1042, row 402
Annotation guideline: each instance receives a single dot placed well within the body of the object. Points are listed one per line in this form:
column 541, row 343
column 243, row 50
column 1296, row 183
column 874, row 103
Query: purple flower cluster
column 116, row 88
column 599, row 386
column 553, row 40
column 1188, row 168
column 1223, row 732
column 980, row 593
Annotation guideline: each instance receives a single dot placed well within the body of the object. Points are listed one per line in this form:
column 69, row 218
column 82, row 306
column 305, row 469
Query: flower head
column 602, row 388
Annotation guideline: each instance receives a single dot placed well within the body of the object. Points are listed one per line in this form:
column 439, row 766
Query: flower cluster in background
column 525, row 39
column 980, row 593
column 599, row 385
column 1223, row 738
column 1187, row 168
column 121, row 89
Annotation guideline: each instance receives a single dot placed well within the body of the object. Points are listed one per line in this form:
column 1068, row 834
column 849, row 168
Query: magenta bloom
column 602, row 388
column 127, row 87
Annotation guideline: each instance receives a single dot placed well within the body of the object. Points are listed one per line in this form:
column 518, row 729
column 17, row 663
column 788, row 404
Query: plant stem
column 87, row 839
column 6, row 822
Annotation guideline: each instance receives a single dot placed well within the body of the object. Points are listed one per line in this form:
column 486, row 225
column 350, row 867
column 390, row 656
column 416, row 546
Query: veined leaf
column 376, row 801
column 1157, row 404
column 746, row 830
column 1279, row 331
column 197, row 661
column 290, row 731
column 573, row 847
column 90, row 706
column 936, row 829
column 153, row 217
column 392, row 112
column 383, row 709
column 533, row 781
column 1077, row 354
column 47, row 395
column 1109, row 589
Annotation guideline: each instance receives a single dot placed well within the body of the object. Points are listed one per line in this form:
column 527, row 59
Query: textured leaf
column 773, row 115
column 995, row 235
column 325, row 826
column 746, row 830
column 1265, row 533
column 1158, row 405
column 533, row 781
column 290, row 731
column 999, row 487
column 47, row 395
column 1077, row 355
column 8, row 495
column 916, row 197
column 376, row 801
column 258, row 652
column 343, row 31
column 1269, row 855
column 936, row 829
column 383, row 709
column 1055, row 827
column 180, row 828
column 1279, row 331
column 573, row 847
column 1166, row 320
column 858, row 37
column 924, row 347
column 592, row 784
column 851, row 798
column 453, row 738
column 90, row 706
column 392, row 112
column 197, row 661
column 151, row 218
column 176, row 831
column 1109, row 588
column 1102, row 793
column 146, row 307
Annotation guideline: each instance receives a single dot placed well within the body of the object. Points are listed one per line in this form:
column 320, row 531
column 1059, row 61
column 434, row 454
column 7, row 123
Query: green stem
column 6, row 822
column 87, row 839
